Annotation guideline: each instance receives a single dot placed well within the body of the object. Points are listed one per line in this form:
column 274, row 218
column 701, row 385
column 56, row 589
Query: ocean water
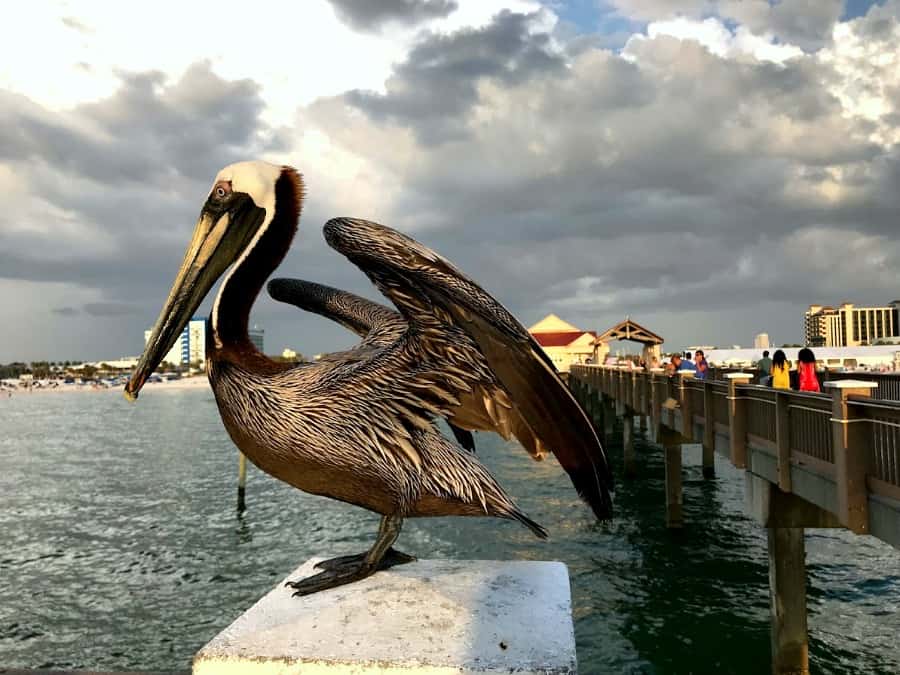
column 121, row 549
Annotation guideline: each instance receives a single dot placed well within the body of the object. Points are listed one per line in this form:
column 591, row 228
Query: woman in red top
column 806, row 370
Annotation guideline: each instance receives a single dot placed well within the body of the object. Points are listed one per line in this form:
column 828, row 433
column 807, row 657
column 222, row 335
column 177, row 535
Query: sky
column 707, row 167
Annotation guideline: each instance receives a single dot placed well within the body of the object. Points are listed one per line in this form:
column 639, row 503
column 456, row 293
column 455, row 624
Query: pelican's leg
column 348, row 568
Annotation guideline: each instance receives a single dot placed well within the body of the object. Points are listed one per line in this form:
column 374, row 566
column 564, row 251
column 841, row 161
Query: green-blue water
column 121, row 549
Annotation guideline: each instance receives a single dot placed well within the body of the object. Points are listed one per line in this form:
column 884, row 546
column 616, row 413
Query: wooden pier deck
column 811, row 460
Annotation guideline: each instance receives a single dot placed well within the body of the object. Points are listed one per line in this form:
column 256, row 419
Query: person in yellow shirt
column 781, row 371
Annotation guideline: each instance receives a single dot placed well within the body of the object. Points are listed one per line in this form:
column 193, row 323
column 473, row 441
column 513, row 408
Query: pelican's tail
column 539, row 531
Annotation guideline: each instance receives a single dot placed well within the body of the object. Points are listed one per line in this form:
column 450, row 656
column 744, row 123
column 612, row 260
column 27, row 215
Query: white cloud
column 719, row 40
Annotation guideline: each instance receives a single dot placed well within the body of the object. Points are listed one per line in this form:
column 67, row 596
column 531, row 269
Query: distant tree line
column 40, row 369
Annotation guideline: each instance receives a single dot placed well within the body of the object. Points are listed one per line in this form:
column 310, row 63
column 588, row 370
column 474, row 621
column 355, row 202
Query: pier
column 811, row 461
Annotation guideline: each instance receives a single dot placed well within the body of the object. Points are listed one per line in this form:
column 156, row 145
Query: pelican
column 359, row 426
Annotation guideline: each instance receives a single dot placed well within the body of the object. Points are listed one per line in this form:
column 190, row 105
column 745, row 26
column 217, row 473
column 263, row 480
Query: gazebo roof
column 629, row 330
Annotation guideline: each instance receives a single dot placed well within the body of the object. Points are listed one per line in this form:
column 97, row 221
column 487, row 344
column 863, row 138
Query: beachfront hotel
column 190, row 347
column 850, row 326
column 564, row 343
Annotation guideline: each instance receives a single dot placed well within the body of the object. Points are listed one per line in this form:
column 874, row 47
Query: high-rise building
column 256, row 335
column 850, row 326
column 190, row 347
column 761, row 341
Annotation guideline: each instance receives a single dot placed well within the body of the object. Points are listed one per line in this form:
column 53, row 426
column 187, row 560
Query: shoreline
column 168, row 385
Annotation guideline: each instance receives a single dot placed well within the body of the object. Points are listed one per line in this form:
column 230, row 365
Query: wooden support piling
column 709, row 432
column 628, row 445
column 787, row 595
column 674, row 515
column 737, row 419
column 242, row 483
column 671, row 442
column 609, row 417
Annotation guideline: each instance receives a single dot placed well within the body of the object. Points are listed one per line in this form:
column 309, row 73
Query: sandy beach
column 165, row 385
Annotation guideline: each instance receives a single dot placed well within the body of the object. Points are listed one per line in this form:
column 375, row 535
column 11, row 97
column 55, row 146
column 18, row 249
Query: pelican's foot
column 344, row 570
column 331, row 578
column 391, row 557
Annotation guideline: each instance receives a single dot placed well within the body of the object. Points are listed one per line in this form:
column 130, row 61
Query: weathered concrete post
column 628, row 445
column 737, row 419
column 851, row 453
column 430, row 616
column 709, row 431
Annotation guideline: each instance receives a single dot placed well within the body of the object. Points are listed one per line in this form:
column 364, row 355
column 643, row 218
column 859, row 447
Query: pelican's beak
column 219, row 238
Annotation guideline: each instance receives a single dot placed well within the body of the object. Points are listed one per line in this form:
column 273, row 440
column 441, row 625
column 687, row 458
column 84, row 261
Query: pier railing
column 888, row 383
column 839, row 450
column 827, row 459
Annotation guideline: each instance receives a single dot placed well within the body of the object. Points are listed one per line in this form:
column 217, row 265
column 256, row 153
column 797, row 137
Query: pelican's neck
column 231, row 311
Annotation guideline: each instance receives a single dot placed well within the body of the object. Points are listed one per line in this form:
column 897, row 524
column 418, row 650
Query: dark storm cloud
column 435, row 88
column 371, row 15
column 110, row 309
column 632, row 184
column 148, row 131
column 114, row 187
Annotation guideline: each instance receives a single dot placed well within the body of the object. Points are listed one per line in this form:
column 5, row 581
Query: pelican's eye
column 222, row 190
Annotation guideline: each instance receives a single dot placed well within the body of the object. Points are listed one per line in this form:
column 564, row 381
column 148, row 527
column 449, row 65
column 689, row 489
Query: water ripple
column 122, row 550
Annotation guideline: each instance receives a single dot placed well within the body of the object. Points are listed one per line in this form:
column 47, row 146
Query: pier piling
column 674, row 517
column 709, row 432
column 787, row 591
column 628, row 445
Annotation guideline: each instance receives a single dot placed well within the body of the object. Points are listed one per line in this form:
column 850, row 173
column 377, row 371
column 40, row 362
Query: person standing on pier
column 781, row 371
column 701, row 365
column 806, row 370
column 764, row 365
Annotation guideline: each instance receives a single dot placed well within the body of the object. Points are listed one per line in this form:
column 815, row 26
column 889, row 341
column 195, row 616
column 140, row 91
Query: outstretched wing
column 500, row 376
column 378, row 325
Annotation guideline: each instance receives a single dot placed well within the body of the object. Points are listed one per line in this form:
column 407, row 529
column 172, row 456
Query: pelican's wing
column 378, row 325
column 501, row 377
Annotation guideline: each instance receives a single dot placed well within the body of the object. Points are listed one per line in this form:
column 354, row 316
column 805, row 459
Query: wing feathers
column 479, row 345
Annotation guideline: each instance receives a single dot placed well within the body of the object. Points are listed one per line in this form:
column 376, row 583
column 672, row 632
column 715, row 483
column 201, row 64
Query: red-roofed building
column 563, row 343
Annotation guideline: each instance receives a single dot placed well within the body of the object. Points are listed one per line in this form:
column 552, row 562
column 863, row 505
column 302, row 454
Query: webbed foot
column 391, row 557
column 348, row 568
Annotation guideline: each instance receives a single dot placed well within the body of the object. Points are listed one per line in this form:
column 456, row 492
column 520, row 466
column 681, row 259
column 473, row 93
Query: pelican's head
column 239, row 208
